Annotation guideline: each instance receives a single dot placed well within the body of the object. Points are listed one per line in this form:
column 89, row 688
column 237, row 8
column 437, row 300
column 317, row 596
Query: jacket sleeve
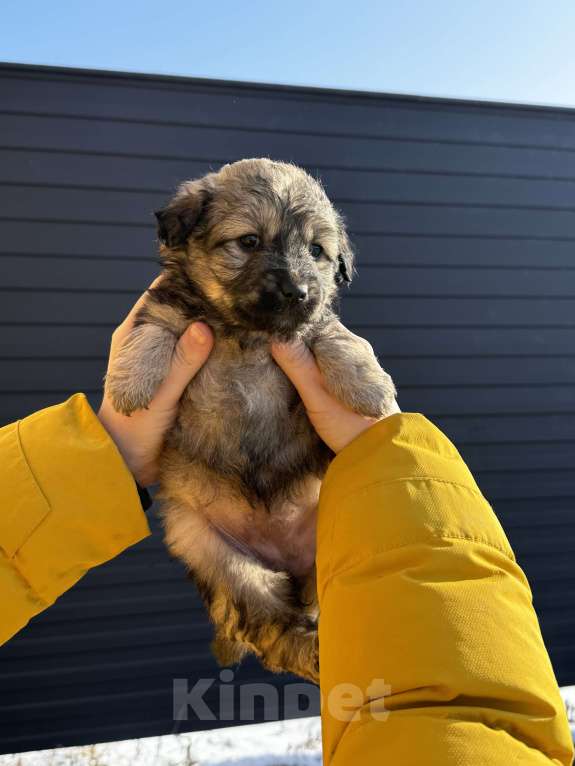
column 67, row 504
column 430, row 650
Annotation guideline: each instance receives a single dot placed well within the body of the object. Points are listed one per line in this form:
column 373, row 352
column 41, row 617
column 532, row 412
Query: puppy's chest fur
column 242, row 418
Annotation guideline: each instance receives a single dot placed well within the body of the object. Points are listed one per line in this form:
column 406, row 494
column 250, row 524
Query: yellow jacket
column 430, row 650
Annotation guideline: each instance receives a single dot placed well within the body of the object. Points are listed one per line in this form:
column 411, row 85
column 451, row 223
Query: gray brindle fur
column 242, row 467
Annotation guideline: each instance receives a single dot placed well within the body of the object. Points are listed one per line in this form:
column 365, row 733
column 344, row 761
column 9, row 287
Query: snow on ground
column 280, row 743
column 568, row 694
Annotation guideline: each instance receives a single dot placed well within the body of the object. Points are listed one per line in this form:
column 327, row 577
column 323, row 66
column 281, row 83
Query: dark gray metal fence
column 463, row 216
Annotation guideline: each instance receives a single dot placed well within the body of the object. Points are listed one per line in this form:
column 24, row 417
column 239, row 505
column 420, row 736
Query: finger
column 191, row 352
column 298, row 363
column 123, row 329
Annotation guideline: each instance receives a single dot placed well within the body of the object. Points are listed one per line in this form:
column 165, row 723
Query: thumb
column 190, row 354
column 298, row 363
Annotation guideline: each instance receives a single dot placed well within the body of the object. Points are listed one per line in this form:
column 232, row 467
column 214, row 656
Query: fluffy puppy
column 257, row 251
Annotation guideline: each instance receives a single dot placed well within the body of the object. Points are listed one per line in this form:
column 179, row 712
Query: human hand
column 139, row 436
column 336, row 424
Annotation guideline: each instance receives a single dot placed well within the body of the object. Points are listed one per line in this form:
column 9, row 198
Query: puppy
column 257, row 251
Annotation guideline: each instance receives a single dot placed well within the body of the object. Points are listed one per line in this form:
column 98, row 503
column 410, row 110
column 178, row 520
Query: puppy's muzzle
column 290, row 291
column 282, row 300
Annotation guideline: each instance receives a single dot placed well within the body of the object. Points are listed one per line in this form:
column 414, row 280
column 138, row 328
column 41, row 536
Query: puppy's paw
column 354, row 377
column 139, row 368
column 310, row 661
column 128, row 394
column 228, row 652
column 305, row 660
column 294, row 651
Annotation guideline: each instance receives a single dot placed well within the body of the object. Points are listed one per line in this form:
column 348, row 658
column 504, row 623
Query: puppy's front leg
column 140, row 366
column 351, row 371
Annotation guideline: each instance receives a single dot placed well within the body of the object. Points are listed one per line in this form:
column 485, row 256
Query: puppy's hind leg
column 228, row 652
column 251, row 606
column 262, row 617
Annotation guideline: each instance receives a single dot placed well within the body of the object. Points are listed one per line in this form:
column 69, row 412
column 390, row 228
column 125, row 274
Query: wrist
column 137, row 466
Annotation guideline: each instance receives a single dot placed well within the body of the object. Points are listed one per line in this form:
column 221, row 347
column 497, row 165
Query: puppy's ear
column 183, row 213
column 345, row 257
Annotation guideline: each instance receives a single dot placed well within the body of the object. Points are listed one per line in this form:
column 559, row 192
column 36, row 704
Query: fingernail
column 199, row 333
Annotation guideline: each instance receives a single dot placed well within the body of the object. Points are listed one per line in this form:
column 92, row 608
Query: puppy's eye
column 249, row 241
column 316, row 251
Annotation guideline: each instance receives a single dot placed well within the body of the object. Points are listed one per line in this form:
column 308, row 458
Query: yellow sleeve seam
column 38, row 487
column 386, row 482
column 418, row 541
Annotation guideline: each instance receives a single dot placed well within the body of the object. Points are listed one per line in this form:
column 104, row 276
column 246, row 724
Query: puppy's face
column 262, row 242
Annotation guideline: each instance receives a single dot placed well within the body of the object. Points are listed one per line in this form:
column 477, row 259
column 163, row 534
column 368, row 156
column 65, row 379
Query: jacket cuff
column 77, row 504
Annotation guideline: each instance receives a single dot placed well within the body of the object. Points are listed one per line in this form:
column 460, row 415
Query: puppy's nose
column 291, row 291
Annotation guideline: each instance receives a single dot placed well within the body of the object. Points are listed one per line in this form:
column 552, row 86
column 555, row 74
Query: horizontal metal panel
column 525, row 518
column 191, row 631
column 161, row 176
column 520, row 456
column 77, row 273
column 147, row 176
column 220, row 145
column 551, row 483
column 488, row 400
column 502, row 428
column 555, row 569
column 294, row 111
column 458, row 221
column 154, row 659
column 66, row 238
column 483, row 312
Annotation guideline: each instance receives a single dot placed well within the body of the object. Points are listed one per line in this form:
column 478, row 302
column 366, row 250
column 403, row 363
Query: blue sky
column 506, row 50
